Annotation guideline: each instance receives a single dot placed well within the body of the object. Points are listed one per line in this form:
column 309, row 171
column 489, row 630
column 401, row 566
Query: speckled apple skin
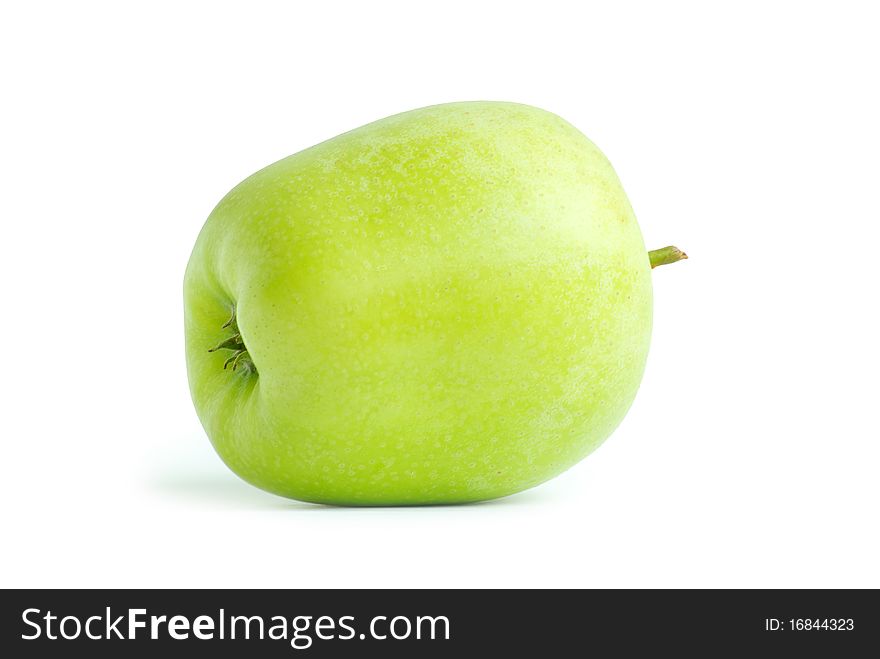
column 448, row 305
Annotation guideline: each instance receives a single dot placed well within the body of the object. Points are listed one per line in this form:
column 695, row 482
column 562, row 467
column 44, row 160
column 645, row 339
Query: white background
column 747, row 136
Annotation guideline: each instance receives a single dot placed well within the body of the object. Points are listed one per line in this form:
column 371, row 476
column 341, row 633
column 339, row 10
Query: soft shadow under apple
column 227, row 491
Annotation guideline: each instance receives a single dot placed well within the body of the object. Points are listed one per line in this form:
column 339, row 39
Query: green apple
column 448, row 305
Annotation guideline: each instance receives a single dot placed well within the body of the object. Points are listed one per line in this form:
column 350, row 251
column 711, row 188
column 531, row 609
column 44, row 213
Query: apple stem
column 665, row 256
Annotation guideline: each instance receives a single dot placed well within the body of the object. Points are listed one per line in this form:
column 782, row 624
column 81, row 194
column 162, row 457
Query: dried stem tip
column 665, row 256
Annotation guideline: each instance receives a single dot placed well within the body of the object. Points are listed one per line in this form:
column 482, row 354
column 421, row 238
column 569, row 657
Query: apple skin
column 447, row 305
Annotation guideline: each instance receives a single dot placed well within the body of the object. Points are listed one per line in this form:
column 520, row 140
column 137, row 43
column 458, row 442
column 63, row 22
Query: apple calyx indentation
column 235, row 343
